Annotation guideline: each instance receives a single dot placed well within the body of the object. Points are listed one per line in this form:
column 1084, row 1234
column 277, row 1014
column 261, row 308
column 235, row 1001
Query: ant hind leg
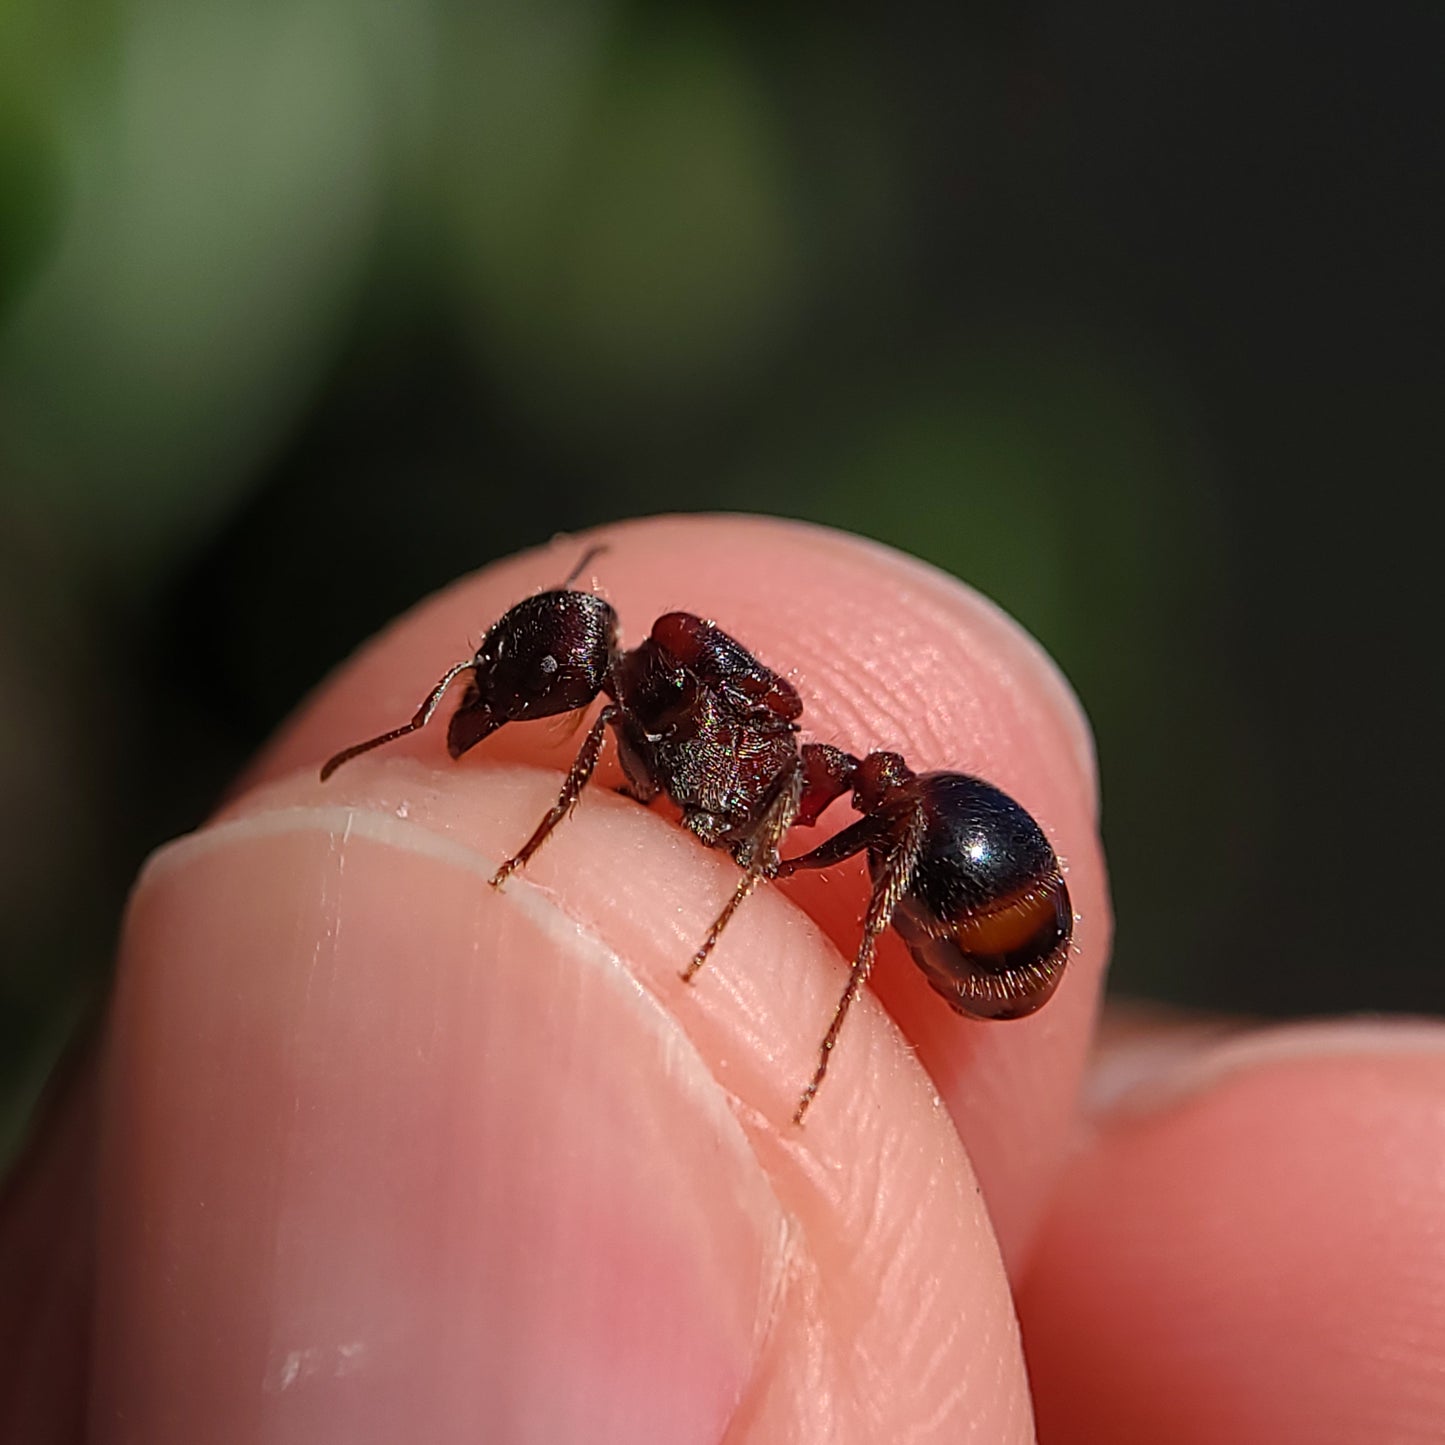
column 889, row 887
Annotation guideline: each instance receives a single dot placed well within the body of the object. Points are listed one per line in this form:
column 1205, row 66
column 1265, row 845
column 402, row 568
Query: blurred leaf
column 29, row 195
column 221, row 188
column 41, row 46
column 622, row 209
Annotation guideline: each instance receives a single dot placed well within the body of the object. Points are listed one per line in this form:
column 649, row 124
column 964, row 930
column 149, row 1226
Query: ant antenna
column 423, row 716
column 595, row 550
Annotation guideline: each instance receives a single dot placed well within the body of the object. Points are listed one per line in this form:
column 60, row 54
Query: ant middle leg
column 762, row 863
column 577, row 775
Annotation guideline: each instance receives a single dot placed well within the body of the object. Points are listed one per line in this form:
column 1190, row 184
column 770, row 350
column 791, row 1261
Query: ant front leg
column 890, row 883
column 762, row 863
column 577, row 776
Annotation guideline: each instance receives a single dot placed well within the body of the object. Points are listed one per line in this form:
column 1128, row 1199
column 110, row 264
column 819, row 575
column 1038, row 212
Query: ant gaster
column 958, row 868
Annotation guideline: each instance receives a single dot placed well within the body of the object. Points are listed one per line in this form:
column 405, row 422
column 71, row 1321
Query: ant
column 959, row 869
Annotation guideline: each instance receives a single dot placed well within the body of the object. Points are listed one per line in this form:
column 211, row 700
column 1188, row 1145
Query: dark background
column 1129, row 314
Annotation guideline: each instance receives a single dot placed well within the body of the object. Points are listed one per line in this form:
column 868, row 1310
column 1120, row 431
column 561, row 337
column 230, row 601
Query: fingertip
column 367, row 1123
column 581, row 1207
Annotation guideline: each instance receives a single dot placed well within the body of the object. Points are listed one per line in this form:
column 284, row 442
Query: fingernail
column 1155, row 1068
column 390, row 1155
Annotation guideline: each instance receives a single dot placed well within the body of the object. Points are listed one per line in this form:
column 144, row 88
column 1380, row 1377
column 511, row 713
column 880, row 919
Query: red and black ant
column 960, row 870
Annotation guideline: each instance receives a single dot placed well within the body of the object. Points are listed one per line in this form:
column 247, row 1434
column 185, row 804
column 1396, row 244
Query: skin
column 374, row 1152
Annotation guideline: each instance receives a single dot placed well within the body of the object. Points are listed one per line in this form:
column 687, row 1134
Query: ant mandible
column 958, row 868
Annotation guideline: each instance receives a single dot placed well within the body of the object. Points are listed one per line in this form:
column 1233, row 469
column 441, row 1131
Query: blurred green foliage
column 1004, row 288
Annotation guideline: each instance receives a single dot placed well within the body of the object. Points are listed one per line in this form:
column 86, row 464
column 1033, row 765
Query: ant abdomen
column 986, row 913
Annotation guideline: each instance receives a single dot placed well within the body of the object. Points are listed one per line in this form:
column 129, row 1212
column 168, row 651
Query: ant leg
column 888, row 889
column 576, row 780
column 838, row 849
column 761, row 864
column 419, row 721
column 746, row 884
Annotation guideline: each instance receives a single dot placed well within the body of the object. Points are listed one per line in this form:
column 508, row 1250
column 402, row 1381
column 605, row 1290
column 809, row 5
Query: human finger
column 1248, row 1247
column 886, row 653
column 324, row 1020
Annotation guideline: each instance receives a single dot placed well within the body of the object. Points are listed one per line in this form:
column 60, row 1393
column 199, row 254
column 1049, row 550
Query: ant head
column 548, row 655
